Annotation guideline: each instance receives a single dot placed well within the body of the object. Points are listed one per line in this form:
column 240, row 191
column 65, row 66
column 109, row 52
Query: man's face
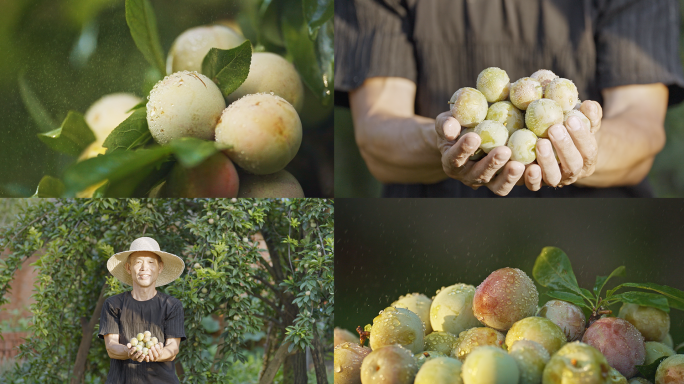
column 144, row 268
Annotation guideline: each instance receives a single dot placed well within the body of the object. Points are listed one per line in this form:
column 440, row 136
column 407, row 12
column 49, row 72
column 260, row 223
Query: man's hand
column 576, row 146
column 134, row 354
column 155, row 353
column 456, row 164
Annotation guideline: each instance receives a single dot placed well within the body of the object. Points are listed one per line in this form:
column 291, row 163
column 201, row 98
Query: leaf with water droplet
column 130, row 134
column 228, row 68
column 72, row 137
column 552, row 269
column 49, row 187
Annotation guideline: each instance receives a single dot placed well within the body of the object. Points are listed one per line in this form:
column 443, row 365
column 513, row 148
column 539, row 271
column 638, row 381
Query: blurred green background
column 73, row 52
column 352, row 178
column 390, row 247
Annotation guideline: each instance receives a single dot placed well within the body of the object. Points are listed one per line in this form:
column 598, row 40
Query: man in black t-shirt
column 124, row 316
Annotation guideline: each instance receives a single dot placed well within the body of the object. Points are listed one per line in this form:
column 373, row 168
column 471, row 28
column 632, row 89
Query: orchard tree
column 287, row 289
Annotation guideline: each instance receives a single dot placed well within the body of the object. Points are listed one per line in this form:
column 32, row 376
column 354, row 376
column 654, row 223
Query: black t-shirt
column 162, row 315
column 442, row 45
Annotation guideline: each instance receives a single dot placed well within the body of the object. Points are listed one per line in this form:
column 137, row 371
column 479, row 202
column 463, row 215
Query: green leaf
column 317, row 12
column 602, row 280
column 552, row 269
column 113, row 167
column 569, row 297
column 131, row 133
column 649, row 371
column 49, row 187
column 34, row 107
column 72, row 137
column 316, row 72
column 675, row 297
column 191, row 151
column 228, row 68
column 644, row 298
column 141, row 104
column 143, row 26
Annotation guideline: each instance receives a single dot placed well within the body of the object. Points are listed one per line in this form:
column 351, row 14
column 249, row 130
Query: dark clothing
column 442, row 45
column 162, row 315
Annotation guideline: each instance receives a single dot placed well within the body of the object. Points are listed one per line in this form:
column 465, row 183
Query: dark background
column 389, row 247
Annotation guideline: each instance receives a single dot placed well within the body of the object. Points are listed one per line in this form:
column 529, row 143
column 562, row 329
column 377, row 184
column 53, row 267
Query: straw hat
column 173, row 265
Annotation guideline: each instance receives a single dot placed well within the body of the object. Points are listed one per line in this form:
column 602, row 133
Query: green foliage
column 35, row 108
column 130, row 134
column 72, row 137
column 228, row 68
column 553, row 270
column 143, row 25
column 49, row 187
column 227, row 276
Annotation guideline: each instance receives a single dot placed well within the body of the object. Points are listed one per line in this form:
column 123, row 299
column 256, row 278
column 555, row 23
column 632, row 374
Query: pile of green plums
column 496, row 334
column 515, row 114
column 143, row 342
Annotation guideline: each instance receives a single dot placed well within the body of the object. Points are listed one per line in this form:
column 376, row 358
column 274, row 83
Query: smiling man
column 144, row 267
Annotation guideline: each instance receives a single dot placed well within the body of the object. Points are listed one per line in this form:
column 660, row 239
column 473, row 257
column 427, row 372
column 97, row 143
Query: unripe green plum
column 504, row 297
column 562, row 91
column 541, row 115
column 507, row 114
column 184, row 104
column 656, row 350
column 134, row 341
column 653, row 323
column 477, row 337
column 576, row 363
column 492, row 134
column 523, row 143
column 149, row 344
column 344, row 336
column 108, row 112
column 154, row 341
column 139, row 347
column 190, row 47
column 261, row 133
column 567, row 316
column 615, row 377
column 531, row 358
column 443, row 342
column 639, row 380
column 544, row 77
column 671, row 370
column 397, row 326
column 271, row 73
column 424, row 356
column 490, row 365
column 146, row 339
column 468, row 106
column 140, row 336
column 418, row 304
column 539, row 329
column 619, row 341
column 276, row 185
column 668, row 341
column 440, row 370
column 452, row 309
column 215, row 177
column 524, row 91
column 348, row 358
column 392, row 364
column 575, row 112
column 494, row 84
column 145, row 351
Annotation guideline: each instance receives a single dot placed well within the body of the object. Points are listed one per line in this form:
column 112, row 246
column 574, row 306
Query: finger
column 584, row 141
column 593, row 111
column 483, row 170
column 551, row 173
column 533, row 177
column 570, row 158
column 502, row 184
column 128, row 345
column 457, row 155
column 447, row 127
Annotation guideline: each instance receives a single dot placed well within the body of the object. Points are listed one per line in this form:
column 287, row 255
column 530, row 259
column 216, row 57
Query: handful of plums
column 520, row 113
column 143, row 342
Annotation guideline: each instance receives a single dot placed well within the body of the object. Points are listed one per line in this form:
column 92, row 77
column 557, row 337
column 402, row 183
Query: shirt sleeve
column 372, row 38
column 638, row 43
column 174, row 324
column 109, row 319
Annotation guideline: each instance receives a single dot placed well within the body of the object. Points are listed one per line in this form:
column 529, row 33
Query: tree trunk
column 294, row 371
column 86, row 339
column 318, row 360
column 274, row 365
column 269, row 348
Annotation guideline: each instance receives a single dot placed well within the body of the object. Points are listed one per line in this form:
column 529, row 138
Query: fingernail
column 558, row 132
column 450, row 130
column 544, row 148
column 574, row 123
column 500, row 156
column 534, row 173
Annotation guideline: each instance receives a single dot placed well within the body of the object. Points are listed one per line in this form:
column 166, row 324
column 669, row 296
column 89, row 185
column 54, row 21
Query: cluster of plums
column 258, row 125
column 496, row 334
column 143, row 342
column 520, row 112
